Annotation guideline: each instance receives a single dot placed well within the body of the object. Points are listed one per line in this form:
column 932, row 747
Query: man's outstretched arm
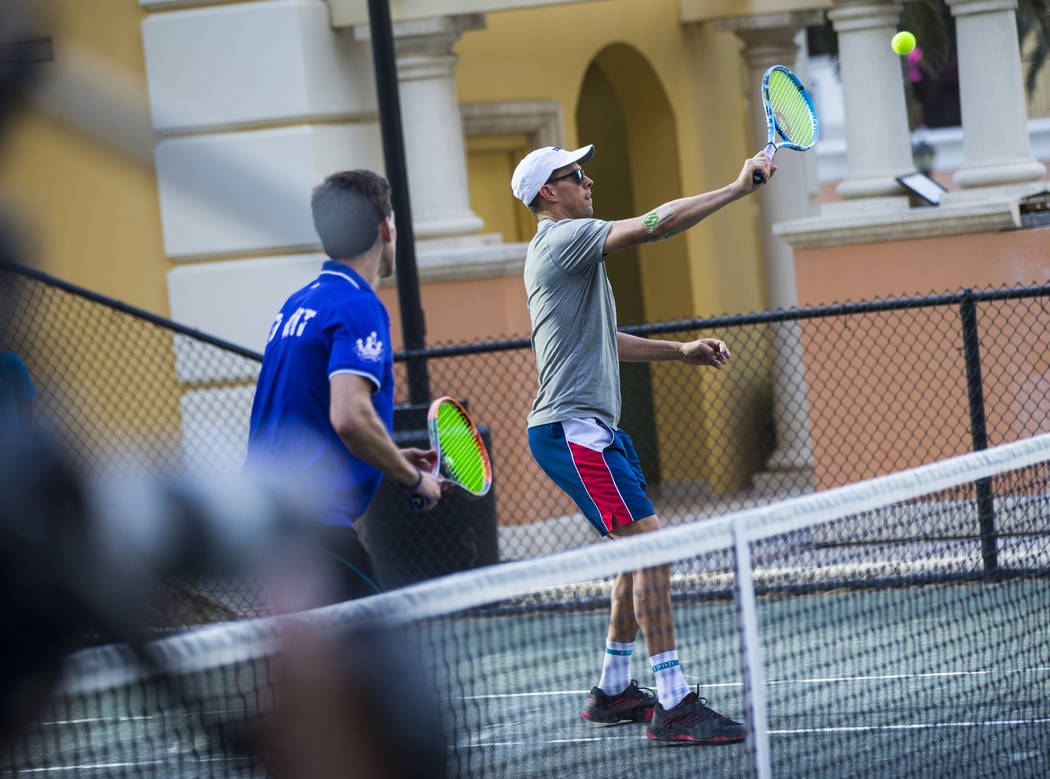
column 679, row 215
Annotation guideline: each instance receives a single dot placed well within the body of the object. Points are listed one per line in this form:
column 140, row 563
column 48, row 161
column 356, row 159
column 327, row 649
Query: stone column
column 771, row 40
column 434, row 148
column 878, row 146
column 996, row 147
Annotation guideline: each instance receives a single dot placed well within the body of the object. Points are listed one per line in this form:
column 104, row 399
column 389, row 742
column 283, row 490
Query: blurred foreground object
column 83, row 559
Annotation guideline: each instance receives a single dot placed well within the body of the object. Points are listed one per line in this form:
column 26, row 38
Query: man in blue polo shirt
column 324, row 402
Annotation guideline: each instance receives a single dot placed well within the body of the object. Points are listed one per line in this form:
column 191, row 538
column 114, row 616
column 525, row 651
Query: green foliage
column 1033, row 19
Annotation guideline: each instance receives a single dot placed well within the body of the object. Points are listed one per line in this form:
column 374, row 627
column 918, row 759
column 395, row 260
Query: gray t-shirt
column 573, row 323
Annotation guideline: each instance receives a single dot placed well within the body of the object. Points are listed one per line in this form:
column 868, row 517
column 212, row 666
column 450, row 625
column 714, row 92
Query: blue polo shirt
column 16, row 388
column 335, row 324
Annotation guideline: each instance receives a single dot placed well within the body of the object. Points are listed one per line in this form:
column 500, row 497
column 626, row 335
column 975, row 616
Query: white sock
column 670, row 682
column 616, row 669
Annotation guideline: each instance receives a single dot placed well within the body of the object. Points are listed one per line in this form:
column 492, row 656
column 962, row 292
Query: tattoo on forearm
column 656, row 218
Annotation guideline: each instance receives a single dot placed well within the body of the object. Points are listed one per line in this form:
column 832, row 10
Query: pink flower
column 914, row 74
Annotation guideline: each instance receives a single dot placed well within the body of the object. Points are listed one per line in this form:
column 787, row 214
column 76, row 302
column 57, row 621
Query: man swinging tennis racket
column 573, row 430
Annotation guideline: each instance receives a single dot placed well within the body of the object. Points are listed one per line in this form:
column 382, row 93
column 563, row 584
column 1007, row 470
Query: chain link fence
column 812, row 399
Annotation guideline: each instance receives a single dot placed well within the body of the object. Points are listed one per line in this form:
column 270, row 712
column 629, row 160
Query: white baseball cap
column 537, row 166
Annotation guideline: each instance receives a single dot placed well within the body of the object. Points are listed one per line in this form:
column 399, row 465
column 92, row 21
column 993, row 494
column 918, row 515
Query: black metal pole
column 978, row 428
column 413, row 329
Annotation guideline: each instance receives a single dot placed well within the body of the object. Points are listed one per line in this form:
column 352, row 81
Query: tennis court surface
column 895, row 627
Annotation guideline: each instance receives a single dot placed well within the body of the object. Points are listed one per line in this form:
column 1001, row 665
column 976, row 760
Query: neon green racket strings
column 459, row 449
column 791, row 110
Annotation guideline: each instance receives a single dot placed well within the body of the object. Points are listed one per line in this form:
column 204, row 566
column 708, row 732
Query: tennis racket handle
column 420, row 502
column 756, row 176
column 416, row 500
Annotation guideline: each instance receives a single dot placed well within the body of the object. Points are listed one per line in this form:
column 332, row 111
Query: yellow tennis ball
column 903, row 42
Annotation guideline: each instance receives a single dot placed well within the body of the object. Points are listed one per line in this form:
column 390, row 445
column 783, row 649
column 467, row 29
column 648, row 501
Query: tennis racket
column 789, row 114
column 461, row 457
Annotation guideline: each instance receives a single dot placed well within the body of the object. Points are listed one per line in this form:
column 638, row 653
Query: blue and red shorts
column 597, row 467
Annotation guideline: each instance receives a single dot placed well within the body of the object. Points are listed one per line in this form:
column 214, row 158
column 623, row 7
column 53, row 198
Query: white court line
column 520, row 695
column 136, row 764
column 815, row 680
column 84, row 767
column 710, row 685
column 916, row 726
column 115, row 720
column 927, row 675
column 89, row 720
column 581, row 740
column 796, row 732
column 509, row 696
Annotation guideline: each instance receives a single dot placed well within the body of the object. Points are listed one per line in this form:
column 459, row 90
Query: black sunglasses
column 577, row 174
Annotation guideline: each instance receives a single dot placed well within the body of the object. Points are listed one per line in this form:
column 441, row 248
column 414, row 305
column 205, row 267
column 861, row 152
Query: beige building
column 167, row 155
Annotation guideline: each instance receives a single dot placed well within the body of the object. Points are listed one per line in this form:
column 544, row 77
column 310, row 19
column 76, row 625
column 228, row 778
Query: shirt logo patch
column 371, row 348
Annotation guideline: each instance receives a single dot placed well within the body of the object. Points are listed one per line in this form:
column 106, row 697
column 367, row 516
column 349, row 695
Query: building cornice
column 877, row 220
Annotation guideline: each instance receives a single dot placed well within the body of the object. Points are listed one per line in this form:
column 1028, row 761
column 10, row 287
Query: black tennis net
column 893, row 627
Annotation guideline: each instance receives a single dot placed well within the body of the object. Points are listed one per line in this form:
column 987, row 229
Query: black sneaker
column 634, row 704
column 691, row 721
